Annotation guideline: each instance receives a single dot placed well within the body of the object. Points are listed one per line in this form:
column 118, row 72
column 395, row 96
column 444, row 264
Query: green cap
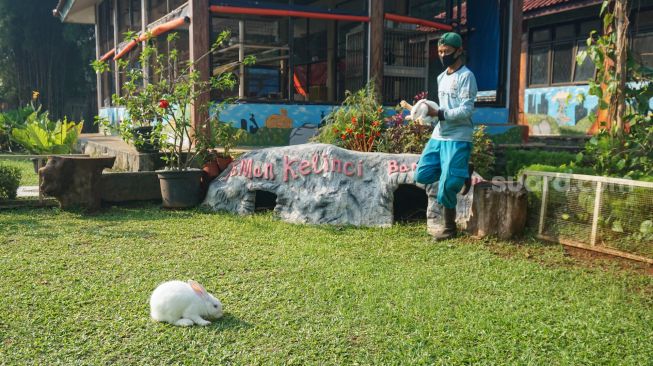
column 451, row 39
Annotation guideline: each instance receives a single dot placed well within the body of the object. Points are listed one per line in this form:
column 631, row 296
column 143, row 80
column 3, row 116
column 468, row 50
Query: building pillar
column 331, row 62
column 523, row 79
column 98, row 54
column 516, row 102
column 145, row 20
column 375, row 45
column 199, row 46
column 116, row 41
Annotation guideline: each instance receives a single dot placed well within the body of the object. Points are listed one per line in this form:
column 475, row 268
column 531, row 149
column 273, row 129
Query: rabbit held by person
column 419, row 111
column 184, row 304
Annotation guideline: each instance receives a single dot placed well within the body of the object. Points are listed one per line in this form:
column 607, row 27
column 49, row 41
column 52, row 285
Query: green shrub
column 266, row 137
column 357, row 124
column 482, row 152
column 9, row 181
column 11, row 120
column 41, row 135
column 569, row 169
column 511, row 136
column 517, row 159
column 409, row 138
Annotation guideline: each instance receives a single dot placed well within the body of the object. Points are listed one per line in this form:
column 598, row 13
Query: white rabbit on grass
column 419, row 112
column 184, row 304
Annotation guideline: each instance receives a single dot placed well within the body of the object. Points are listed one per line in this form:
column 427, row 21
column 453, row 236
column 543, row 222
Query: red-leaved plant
column 357, row 124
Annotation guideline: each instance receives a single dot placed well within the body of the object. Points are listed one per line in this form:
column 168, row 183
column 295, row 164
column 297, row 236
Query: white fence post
column 597, row 212
column 545, row 196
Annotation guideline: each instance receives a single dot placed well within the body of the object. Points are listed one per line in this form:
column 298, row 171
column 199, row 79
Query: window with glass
column 297, row 59
column 642, row 39
column 553, row 51
column 129, row 16
column 159, row 8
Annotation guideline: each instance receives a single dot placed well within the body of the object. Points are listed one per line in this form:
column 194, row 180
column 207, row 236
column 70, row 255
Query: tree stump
column 498, row 209
column 74, row 181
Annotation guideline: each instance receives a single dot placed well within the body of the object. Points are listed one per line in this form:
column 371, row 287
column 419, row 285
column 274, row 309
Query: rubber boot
column 449, row 225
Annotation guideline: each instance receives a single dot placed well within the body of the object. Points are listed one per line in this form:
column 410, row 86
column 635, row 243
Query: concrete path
column 28, row 191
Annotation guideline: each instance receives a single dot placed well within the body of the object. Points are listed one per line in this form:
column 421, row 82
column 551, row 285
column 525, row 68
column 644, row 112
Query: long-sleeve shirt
column 456, row 94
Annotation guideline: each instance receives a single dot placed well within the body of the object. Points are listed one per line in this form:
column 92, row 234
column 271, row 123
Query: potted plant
column 167, row 98
column 140, row 96
column 218, row 134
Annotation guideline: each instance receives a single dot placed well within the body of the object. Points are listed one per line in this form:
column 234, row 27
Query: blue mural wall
column 292, row 124
column 561, row 110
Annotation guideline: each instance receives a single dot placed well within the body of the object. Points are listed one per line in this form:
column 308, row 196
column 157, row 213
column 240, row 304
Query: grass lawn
column 28, row 177
column 75, row 290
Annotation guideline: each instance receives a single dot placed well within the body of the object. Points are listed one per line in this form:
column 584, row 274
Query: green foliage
column 165, row 101
column 517, row 159
column 221, row 134
column 265, row 136
column 26, row 168
column 10, row 120
column 408, row 138
column 482, row 152
column 630, row 156
column 626, row 152
column 357, row 124
column 9, row 181
column 511, row 136
column 43, row 136
column 569, row 169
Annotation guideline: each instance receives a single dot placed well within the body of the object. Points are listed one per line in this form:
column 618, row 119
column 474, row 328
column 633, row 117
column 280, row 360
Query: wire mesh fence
column 604, row 214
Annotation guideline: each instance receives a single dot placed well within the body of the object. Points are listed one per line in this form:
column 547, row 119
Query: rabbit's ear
column 199, row 290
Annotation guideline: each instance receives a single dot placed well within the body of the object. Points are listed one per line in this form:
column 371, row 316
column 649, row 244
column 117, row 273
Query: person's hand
column 433, row 112
column 405, row 105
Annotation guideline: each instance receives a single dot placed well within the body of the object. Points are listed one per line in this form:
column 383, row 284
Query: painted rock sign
column 320, row 184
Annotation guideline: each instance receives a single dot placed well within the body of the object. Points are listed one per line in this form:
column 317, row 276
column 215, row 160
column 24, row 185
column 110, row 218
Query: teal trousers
column 446, row 162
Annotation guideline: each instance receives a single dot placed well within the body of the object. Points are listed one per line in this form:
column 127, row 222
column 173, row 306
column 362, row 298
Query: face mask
column 450, row 59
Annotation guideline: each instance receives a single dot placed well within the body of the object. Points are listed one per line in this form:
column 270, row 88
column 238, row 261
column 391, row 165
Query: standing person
column 446, row 155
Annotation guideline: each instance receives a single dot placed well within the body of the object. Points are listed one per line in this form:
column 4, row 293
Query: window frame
column 550, row 45
column 291, row 64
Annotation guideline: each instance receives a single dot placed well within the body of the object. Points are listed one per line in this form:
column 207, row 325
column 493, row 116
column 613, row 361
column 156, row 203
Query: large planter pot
column 180, row 189
column 144, row 134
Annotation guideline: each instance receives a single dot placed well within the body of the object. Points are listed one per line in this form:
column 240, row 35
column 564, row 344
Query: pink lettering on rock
column 305, row 167
column 393, row 167
column 287, row 168
column 349, row 165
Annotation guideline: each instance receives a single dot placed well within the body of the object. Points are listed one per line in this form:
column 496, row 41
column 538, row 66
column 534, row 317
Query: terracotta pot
column 211, row 168
column 223, row 163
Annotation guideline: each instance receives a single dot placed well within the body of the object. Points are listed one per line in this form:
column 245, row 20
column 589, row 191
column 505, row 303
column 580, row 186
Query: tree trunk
column 615, row 70
column 621, row 55
column 498, row 209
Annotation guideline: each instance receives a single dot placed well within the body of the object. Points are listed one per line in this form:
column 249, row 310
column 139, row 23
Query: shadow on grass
column 229, row 322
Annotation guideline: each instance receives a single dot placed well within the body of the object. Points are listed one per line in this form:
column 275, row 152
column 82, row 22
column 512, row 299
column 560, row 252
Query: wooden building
column 309, row 52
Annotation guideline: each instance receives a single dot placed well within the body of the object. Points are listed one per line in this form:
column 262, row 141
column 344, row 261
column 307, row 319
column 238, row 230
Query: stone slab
column 129, row 186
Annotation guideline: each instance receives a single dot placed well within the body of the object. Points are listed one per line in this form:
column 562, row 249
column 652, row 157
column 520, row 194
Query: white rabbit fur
column 419, row 112
column 184, row 304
